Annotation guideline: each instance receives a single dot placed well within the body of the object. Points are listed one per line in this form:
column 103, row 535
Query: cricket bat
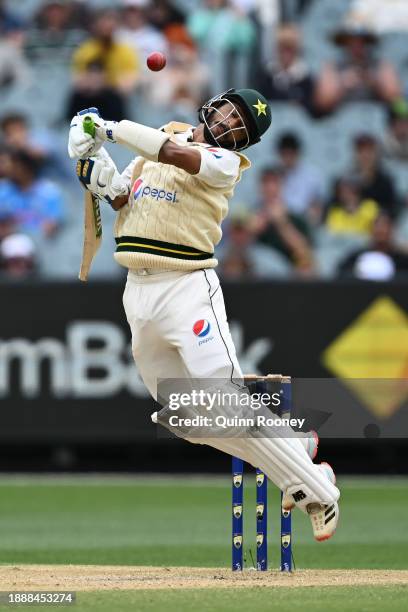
column 92, row 220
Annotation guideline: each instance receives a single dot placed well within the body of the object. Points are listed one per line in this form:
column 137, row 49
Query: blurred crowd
column 99, row 50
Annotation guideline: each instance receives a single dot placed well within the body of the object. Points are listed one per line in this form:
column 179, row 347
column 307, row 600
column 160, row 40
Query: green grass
column 185, row 522
column 318, row 599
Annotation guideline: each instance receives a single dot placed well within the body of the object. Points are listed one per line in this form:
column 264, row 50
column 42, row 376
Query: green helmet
column 256, row 120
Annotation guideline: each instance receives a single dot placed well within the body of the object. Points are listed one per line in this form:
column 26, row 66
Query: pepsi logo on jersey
column 140, row 189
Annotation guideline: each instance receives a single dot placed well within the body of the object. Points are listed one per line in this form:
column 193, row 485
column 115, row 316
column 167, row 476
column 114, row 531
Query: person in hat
column 17, row 257
column 172, row 200
column 358, row 75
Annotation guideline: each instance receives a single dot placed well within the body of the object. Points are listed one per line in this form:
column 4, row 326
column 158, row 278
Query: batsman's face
column 227, row 125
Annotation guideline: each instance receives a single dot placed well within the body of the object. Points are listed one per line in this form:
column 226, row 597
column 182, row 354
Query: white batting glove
column 100, row 176
column 81, row 144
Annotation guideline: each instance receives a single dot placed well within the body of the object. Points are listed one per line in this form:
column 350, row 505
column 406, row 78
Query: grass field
column 186, row 522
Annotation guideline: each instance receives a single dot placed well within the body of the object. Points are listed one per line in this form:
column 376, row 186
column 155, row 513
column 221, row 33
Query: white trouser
column 162, row 309
column 180, row 331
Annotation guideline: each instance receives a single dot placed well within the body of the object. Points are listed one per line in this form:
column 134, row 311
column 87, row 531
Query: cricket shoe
column 288, row 503
column 324, row 519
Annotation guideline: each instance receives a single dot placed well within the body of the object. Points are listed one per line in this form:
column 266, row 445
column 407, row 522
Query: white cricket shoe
column 324, row 518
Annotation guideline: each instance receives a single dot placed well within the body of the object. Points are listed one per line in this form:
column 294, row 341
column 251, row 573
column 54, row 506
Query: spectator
column 52, row 38
column 375, row 182
column 17, row 257
column 288, row 77
column 120, row 63
column 14, row 70
column 93, row 90
column 16, row 134
column 351, row 213
column 138, row 33
column 277, row 228
column 302, row 184
column 382, row 259
column 395, row 144
column 36, row 203
column 9, row 22
column 169, row 20
column 358, row 75
column 240, row 256
column 220, row 31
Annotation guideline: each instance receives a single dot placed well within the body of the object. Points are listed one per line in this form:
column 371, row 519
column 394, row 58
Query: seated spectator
column 14, row 69
column 16, row 134
column 240, row 256
column 37, row 204
column 51, row 38
column 9, row 22
column 382, row 259
column 359, row 75
column 93, row 90
column 288, row 77
column 138, row 33
column 225, row 37
column 120, row 63
column 276, row 227
column 375, row 182
column 17, row 257
column 395, row 145
column 302, row 183
column 169, row 20
column 351, row 212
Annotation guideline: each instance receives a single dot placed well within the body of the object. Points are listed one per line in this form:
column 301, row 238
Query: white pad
column 286, row 464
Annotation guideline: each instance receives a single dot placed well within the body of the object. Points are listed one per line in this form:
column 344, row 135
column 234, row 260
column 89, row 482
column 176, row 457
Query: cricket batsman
column 170, row 203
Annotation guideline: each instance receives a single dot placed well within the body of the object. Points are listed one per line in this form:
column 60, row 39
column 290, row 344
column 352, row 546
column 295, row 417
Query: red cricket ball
column 156, row 61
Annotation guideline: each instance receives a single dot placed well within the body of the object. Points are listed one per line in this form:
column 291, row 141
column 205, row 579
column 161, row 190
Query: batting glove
column 81, row 144
column 100, row 176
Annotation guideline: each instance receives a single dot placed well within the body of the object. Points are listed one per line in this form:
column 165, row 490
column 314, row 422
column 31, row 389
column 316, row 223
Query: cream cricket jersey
column 173, row 219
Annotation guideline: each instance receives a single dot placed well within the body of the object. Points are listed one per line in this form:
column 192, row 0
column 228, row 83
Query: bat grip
column 89, row 126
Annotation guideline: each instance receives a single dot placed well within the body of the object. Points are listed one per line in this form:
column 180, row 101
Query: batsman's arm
column 151, row 144
column 187, row 158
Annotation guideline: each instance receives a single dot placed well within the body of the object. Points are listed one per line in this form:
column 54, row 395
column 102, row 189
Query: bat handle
column 89, row 126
